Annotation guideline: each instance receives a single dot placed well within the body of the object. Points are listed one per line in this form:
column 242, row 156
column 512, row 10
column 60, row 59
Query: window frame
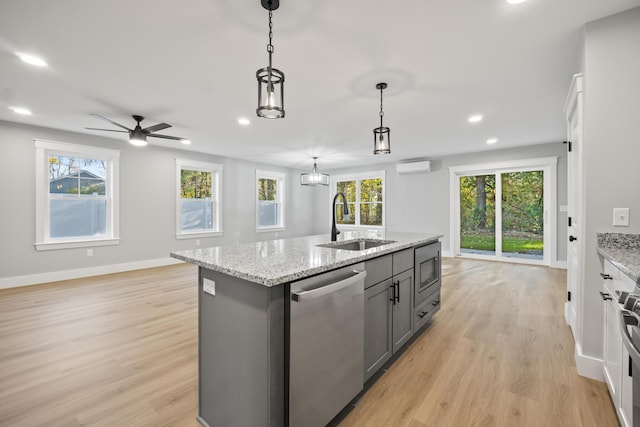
column 45, row 148
column 280, row 197
column 216, row 183
column 357, row 177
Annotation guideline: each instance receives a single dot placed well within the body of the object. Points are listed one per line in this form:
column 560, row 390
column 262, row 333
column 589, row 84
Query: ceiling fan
column 138, row 135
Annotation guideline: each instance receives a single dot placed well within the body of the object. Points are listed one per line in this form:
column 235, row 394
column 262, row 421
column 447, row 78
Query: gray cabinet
column 378, row 340
column 388, row 308
column 402, row 309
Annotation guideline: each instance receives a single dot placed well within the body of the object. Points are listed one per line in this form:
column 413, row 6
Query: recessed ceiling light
column 20, row 110
column 476, row 118
column 243, row 121
column 515, row 1
column 492, row 140
column 185, row 141
column 31, row 59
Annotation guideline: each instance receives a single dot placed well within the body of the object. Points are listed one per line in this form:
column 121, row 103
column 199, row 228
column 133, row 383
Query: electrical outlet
column 89, row 252
column 621, row 217
column 209, row 286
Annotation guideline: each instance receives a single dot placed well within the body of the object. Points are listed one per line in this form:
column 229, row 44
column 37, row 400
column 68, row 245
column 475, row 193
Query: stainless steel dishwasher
column 326, row 345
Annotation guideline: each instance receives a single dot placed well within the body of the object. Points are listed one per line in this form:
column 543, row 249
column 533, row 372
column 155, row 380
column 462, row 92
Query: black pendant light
column 381, row 135
column 314, row 178
column 270, row 80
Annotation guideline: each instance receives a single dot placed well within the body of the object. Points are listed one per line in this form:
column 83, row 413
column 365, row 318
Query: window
column 269, row 201
column 364, row 197
column 198, row 199
column 76, row 195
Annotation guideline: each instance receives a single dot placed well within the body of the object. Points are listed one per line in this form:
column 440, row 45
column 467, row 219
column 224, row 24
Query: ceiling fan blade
column 111, row 121
column 177, row 138
column 108, row 130
column 156, row 128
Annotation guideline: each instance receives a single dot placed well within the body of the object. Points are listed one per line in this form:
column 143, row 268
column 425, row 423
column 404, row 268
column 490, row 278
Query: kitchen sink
column 357, row 244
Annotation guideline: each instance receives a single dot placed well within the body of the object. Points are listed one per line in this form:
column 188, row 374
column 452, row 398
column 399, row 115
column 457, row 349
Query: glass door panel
column 477, row 214
column 523, row 214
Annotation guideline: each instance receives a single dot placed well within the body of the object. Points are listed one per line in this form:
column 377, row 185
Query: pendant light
column 314, row 178
column 381, row 135
column 270, row 80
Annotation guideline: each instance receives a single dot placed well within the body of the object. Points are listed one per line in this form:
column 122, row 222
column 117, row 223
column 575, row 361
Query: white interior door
column 573, row 112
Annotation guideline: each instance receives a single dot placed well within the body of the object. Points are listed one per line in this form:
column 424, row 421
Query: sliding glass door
column 500, row 211
column 478, row 214
column 523, row 214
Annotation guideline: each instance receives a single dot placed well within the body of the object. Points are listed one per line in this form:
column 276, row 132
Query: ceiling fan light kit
column 314, row 178
column 381, row 134
column 138, row 135
column 270, row 80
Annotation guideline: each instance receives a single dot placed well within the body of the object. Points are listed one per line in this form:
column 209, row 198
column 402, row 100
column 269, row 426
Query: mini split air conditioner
column 413, row 167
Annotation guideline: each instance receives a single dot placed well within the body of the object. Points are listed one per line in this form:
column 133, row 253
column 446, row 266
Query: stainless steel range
column 629, row 318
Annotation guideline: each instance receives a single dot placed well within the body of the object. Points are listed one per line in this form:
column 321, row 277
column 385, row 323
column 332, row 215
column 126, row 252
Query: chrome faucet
column 345, row 214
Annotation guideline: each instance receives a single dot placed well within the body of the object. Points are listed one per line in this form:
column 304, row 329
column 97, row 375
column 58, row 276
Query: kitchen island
column 244, row 308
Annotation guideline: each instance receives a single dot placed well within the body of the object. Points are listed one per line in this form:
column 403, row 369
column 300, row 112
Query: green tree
column 371, row 201
column 195, row 184
column 477, row 203
column 349, row 190
column 267, row 189
column 523, row 202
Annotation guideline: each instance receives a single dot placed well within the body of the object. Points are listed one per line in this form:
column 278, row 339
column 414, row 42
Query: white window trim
column 550, row 187
column 280, row 177
column 358, row 177
column 216, row 171
column 42, row 150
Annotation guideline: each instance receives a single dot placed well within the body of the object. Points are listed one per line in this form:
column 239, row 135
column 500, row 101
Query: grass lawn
column 509, row 244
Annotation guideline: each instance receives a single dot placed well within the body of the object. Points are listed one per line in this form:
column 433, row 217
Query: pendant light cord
column 381, row 112
column 270, row 49
column 270, row 45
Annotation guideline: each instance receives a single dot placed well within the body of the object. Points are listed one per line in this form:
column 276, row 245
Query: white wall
column 611, row 148
column 420, row 202
column 147, row 205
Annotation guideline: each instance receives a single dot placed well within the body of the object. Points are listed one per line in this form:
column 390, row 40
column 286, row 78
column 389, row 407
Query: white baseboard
column 554, row 264
column 54, row 276
column 559, row 264
column 588, row 366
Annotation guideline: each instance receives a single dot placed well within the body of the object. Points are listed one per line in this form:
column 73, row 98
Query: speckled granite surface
column 623, row 251
column 275, row 262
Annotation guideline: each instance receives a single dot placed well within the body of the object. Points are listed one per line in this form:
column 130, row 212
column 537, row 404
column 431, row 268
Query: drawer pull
column 605, row 296
column 424, row 313
column 435, row 303
column 606, row 276
column 393, row 290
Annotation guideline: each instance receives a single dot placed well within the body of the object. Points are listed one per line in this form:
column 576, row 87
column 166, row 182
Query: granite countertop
column 623, row 251
column 274, row 262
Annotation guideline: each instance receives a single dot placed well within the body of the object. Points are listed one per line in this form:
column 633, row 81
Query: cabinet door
column 612, row 366
column 403, row 309
column 377, row 327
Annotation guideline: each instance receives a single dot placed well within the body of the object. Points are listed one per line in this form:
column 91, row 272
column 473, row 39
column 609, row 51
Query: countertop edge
column 308, row 272
column 605, row 252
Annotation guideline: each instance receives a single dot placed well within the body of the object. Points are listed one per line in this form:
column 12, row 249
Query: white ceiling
column 192, row 64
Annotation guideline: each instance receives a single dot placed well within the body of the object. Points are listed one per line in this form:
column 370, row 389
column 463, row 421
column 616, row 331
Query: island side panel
column 241, row 353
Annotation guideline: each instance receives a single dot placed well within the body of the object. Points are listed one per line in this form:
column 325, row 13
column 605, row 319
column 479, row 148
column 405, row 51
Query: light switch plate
column 621, row 217
column 209, row 286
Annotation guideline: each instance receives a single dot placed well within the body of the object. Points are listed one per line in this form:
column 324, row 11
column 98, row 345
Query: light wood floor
column 498, row 353
column 121, row 350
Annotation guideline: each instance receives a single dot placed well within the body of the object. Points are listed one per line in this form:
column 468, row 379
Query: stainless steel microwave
column 427, row 271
